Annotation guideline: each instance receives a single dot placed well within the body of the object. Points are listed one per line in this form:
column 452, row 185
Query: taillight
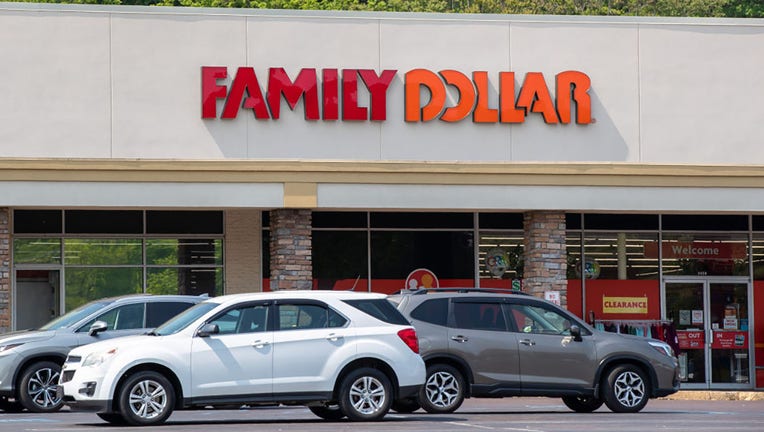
column 408, row 336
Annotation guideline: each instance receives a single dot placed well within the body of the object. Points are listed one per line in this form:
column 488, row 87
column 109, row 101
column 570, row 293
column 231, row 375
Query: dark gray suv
column 481, row 344
column 30, row 360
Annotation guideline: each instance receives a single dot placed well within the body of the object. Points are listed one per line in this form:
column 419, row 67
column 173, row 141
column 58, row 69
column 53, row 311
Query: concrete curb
column 717, row 395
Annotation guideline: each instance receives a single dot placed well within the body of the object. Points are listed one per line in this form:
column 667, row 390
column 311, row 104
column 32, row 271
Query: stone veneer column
column 291, row 249
column 545, row 256
column 5, row 271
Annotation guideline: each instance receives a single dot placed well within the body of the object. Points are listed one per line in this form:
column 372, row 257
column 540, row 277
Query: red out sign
column 339, row 91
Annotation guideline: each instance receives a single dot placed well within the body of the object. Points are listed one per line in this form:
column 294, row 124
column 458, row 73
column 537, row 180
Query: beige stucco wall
column 243, row 235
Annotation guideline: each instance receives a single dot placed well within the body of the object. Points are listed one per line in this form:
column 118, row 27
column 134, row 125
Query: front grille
column 73, row 359
column 67, row 376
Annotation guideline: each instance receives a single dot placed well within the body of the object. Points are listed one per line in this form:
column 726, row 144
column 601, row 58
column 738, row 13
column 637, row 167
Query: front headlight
column 98, row 358
column 662, row 348
column 10, row 346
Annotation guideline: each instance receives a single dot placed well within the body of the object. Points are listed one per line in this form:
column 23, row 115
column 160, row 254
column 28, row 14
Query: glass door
column 710, row 316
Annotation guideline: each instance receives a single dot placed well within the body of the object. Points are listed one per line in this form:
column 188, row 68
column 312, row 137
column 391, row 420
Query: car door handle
column 460, row 338
column 260, row 343
column 527, row 342
column 333, row 337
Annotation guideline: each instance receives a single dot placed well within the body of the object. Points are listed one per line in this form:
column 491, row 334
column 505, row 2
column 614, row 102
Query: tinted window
column 158, row 313
column 479, row 316
column 433, row 311
column 380, row 309
column 104, row 221
column 37, row 221
column 127, row 317
column 305, row 316
column 184, row 222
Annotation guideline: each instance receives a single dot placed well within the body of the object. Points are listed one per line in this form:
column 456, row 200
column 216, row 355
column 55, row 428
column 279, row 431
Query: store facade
column 610, row 164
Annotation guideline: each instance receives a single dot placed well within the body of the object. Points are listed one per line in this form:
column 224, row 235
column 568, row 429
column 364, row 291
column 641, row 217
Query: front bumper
column 92, row 405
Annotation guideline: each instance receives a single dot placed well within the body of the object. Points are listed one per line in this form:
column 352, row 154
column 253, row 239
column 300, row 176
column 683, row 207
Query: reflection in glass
column 98, row 251
column 86, row 284
column 184, row 280
column 184, row 252
column 37, row 251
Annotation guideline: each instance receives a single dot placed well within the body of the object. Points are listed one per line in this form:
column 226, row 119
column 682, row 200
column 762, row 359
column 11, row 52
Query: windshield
column 75, row 316
column 184, row 319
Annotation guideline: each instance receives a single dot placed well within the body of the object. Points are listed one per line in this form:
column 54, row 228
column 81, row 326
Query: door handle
column 527, row 342
column 333, row 337
column 260, row 343
column 459, row 338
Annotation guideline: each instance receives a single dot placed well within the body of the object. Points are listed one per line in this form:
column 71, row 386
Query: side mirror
column 97, row 327
column 207, row 330
column 575, row 331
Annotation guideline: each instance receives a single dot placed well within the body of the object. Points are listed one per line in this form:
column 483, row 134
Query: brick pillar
column 5, row 271
column 545, row 263
column 291, row 248
column 243, row 260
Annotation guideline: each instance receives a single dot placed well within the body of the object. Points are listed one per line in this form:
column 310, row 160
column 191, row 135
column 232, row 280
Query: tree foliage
column 692, row 8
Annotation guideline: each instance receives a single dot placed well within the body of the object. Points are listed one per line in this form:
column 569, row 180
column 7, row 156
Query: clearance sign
column 335, row 95
column 624, row 305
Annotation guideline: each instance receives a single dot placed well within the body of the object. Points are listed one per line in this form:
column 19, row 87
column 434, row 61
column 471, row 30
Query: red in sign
column 730, row 340
column 421, row 278
column 691, row 339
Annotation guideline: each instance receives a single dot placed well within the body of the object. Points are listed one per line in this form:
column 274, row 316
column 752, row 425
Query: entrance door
column 711, row 319
column 38, row 297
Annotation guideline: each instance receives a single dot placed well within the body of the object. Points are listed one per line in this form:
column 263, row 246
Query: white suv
column 340, row 353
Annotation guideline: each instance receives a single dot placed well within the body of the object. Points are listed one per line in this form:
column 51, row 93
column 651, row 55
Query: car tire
column 112, row 418
column 365, row 395
column 10, row 407
column 626, row 389
column 146, row 398
column 406, row 406
column 582, row 404
column 328, row 412
column 37, row 387
column 443, row 390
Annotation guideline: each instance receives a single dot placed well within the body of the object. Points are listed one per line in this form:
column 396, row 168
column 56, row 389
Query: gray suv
column 30, row 360
column 482, row 344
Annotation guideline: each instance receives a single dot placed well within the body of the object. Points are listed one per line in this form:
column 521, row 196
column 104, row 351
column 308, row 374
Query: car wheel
column 443, row 391
column 365, row 395
column 582, row 404
column 37, row 388
column 146, row 398
column 113, row 418
column 406, row 406
column 626, row 389
column 328, row 412
column 10, row 407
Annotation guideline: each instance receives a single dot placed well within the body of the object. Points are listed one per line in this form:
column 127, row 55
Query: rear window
column 380, row 309
column 433, row 311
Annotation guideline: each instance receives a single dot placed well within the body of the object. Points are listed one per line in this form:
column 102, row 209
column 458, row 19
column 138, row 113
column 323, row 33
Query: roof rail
column 459, row 290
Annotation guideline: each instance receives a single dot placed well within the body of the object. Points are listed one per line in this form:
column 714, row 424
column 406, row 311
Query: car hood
column 26, row 336
column 124, row 343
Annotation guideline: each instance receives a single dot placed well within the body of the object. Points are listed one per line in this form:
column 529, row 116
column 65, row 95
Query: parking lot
column 511, row 414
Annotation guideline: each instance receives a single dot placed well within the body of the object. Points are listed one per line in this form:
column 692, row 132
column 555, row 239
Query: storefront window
column 449, row 255
column 703, row 254
column 101, row 251
column 500, row 259
column 37, row 251
column 184, row 251
column 184, row 280
column 340, row 260
column 84, row 284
